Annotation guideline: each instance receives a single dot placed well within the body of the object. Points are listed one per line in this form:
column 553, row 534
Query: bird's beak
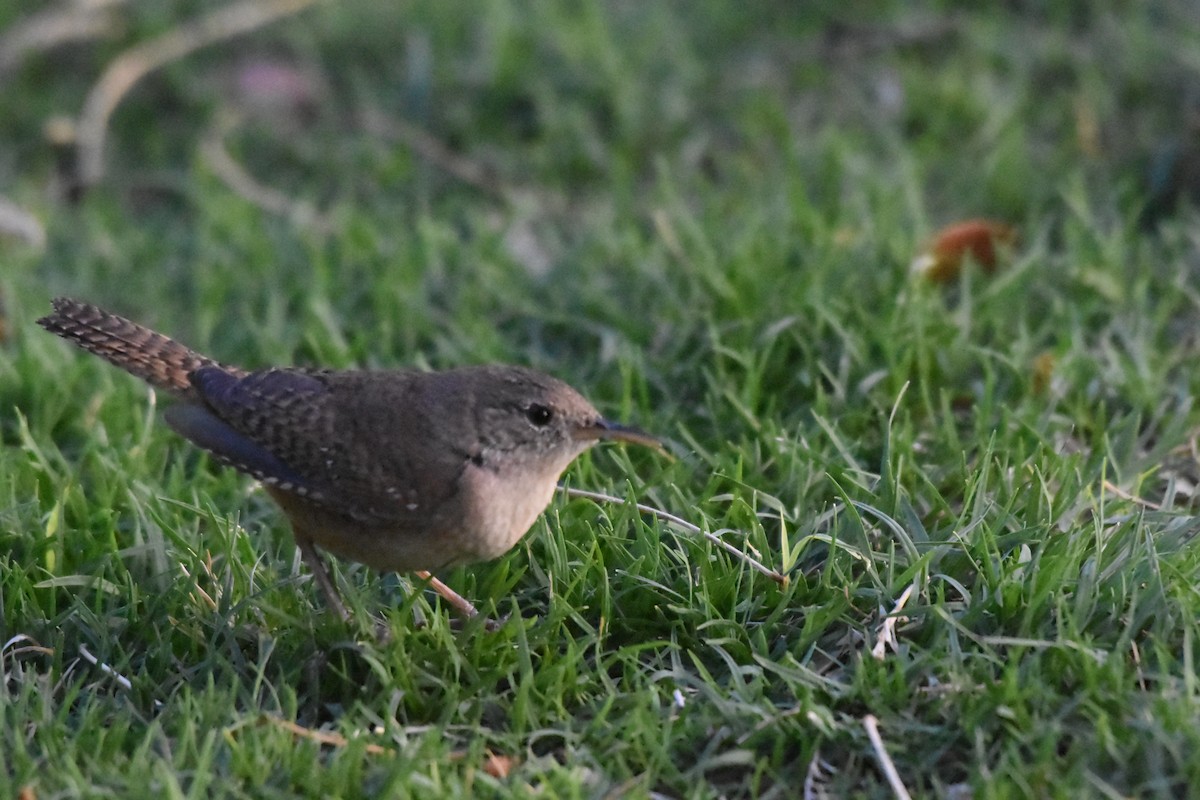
column 615, row 432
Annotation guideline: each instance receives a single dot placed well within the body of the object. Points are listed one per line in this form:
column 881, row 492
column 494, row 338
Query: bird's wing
column 360, row 454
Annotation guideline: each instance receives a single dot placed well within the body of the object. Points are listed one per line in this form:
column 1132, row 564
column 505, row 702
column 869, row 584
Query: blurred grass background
column 704, row 215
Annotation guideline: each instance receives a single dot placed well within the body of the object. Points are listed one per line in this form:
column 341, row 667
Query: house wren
column 399, row 470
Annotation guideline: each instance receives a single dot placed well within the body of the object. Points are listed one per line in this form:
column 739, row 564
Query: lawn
column 982, row 491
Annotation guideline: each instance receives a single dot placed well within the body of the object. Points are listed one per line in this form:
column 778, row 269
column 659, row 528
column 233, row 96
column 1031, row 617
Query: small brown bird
column 399, row 470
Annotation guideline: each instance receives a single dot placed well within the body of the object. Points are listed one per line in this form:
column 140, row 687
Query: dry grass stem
column 1111, row 487
column 887, row 631
column 758, row 566
column 427, row 146
column 239, row 180
column 91, row 659
column 885, row 761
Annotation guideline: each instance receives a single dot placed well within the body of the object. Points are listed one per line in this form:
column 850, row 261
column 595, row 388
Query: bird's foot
column 465, row 608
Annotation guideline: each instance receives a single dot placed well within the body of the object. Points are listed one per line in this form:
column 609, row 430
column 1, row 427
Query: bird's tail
column 160, row 361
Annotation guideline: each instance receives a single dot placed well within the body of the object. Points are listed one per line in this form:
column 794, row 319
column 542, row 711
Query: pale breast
column 502, row 509
column 484, row 520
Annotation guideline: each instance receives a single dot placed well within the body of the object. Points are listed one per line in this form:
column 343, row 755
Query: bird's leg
column 317, row 566
column 459, row 603
column 311, row 557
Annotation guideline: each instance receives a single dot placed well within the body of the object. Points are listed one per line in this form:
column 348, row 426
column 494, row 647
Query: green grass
column 710, row 221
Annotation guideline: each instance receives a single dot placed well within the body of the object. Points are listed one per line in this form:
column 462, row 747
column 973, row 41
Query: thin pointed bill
column 615, row 432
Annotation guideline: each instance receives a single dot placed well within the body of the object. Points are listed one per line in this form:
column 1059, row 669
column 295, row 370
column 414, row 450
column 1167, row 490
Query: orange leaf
column 978, row 238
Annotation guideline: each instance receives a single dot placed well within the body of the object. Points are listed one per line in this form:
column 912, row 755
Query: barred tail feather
column 160, row 361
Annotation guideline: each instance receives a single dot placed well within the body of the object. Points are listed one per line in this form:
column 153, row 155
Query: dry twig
column 326, row 738
column 58, row 25
column 141, row 59
column 498, row 766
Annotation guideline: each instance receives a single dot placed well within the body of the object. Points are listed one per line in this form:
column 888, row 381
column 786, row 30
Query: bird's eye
column 539, row 415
